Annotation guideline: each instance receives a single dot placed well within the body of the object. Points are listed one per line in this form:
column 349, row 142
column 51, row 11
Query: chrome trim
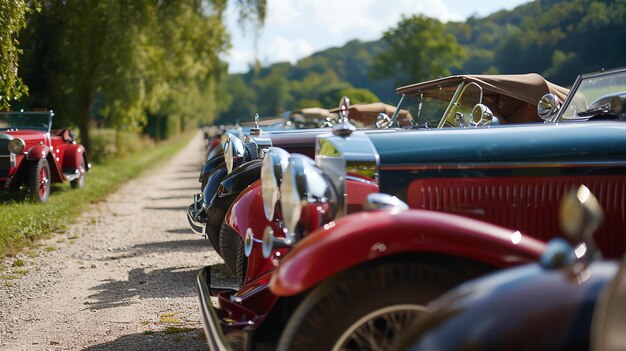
column 455, row 97
column 379, row 201
column 355, row 150
column 210, row 323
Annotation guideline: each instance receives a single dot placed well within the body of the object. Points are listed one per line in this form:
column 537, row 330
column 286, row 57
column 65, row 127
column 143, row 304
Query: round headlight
column 248, row 242
column 16, row 146
column 617, row 104
column 234, row 152
column 306, row 192
column 268, row 242
column 274, row 164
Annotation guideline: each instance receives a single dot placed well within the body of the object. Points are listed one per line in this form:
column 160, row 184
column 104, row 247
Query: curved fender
column 73, row 155
column 247, row 213
column 209, row 166
column 240, row 178
column 366, row 236
column 214, row 182
column 37, row 152
column 215, row 148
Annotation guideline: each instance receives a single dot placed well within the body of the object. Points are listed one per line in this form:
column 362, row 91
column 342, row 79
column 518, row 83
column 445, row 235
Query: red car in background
column 34, row 155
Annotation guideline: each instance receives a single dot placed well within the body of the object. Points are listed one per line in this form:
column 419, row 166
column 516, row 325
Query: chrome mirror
column 377, row 201
column 548, row 107
column 383, row 121
column 481, row 115
column 460, row 120
column 580, row 214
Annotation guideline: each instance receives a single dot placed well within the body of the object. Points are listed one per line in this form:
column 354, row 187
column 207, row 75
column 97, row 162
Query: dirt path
column 121, row 278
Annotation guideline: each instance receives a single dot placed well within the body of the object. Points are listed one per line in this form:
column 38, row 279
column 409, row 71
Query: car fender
column 37, row 152
column 73, row 157
column 246, row 213
column 210, row 166
column 240, row 178
column 213, row 182
column 372, row 235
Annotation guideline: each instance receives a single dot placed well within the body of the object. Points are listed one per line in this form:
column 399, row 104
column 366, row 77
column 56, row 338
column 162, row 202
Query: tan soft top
column 525, row 87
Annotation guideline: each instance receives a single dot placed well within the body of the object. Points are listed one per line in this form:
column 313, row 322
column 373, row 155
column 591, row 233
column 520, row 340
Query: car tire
column 331, row 314
column 80, row 181
column 39, row 180
column 216, row 212
column 231, row 247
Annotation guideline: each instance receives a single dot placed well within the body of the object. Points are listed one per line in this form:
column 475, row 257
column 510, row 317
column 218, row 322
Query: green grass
column 23, row 223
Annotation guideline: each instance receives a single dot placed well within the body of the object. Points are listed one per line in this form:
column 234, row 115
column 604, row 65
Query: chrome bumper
column 210, row 322
column 241, row 337
column 193, row 213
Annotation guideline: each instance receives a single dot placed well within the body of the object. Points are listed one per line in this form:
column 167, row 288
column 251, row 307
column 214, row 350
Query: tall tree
column 12, row 20
column 122, row 59
column 418, row 48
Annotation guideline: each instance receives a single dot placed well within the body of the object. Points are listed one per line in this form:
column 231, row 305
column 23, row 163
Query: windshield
column 593, row 88
column 432, row 107
column 25, row 120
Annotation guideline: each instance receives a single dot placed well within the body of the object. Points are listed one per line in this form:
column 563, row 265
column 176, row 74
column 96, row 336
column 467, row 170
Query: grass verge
column 22, row 223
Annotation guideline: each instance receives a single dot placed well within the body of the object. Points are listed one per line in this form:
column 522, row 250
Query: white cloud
column 283, row 49
column 296, row 28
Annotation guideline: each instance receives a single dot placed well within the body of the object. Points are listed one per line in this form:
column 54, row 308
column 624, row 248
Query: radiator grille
column 528, row 204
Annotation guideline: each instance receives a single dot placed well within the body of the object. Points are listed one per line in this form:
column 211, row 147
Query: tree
column 12, row 20
column 418, row 49
column 123, row 59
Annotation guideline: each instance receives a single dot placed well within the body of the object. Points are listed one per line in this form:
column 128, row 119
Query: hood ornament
column 343, row 127
column 256, row 130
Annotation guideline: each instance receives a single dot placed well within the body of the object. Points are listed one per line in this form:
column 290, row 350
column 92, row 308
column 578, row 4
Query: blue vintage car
column 550, row 305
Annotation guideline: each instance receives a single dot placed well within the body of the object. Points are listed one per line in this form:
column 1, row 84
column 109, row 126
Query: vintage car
column 549, row 305
column 34, row 155
column 507, row 94
column 373, row 244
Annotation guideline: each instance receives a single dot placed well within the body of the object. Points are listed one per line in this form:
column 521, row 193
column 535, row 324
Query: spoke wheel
column 378, row 330
column 366, row 307
column 39, row 181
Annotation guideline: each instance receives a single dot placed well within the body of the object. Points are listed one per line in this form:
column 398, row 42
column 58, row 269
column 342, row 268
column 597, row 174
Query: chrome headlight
column 234, row 153
column 16, row 146
column 274, row 163
column 307, row 196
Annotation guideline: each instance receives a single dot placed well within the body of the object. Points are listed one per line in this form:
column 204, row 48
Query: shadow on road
column 178, row 208
column 143, row 283
column 195, row 245
column 184, row 340
column 180, row 231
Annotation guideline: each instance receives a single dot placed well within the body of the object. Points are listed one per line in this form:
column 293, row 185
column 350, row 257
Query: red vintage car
column 35, row 156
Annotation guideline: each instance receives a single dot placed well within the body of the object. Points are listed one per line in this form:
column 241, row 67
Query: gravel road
column 121, row 278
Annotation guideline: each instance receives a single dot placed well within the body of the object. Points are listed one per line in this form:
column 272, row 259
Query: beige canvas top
column 525, row 87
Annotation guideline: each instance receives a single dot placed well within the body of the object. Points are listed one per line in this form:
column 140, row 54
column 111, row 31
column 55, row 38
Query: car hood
column 30, row 137
column 506, row 144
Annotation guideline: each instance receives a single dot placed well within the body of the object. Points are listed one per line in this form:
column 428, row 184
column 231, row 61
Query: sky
column 295, row 29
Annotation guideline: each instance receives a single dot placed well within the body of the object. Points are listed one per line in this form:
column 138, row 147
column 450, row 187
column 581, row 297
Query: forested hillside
column 557, row 38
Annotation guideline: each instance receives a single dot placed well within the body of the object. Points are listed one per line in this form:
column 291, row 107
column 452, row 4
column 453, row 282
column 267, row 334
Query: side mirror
column 383, row 121
column 580, row 214
column 548, row 107
column 482, row 115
